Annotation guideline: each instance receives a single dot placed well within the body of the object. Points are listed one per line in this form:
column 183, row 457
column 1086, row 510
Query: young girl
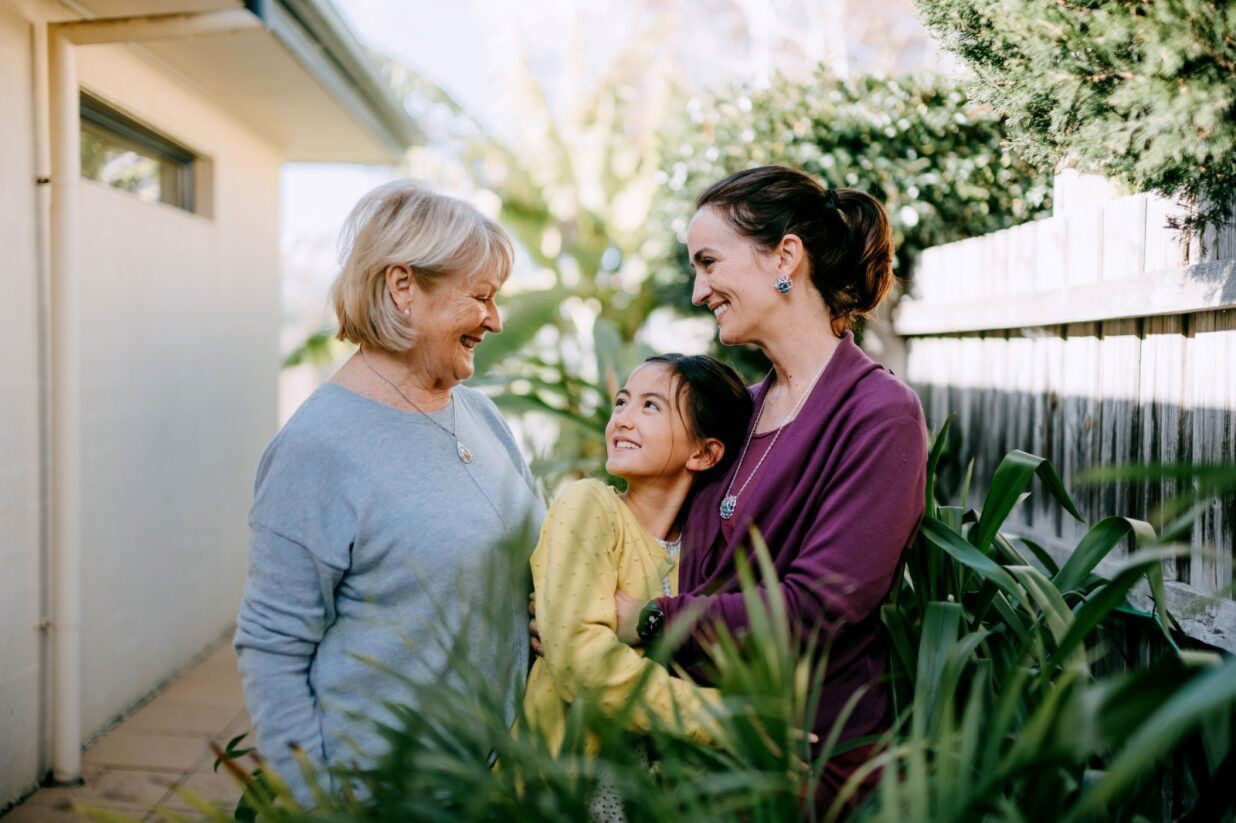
column 677, row 418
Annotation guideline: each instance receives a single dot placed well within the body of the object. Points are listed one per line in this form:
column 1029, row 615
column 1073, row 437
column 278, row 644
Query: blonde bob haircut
column 404, row 223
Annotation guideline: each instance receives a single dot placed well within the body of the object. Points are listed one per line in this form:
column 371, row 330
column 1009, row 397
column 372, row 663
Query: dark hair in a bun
column 716, row 402
column 845, row 232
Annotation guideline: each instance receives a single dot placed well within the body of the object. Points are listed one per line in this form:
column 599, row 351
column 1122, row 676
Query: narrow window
column 123, row 153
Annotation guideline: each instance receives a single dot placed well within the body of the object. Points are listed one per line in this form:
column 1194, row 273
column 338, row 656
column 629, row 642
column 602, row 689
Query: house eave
column 314, row 33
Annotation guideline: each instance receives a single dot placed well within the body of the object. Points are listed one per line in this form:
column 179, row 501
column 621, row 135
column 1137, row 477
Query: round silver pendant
column 465, row 453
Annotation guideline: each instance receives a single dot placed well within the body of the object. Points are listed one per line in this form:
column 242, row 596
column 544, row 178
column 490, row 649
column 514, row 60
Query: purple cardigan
column 838, row 502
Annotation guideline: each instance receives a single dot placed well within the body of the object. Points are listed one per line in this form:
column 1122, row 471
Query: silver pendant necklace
column 729, row 503
column 465, row 454
column 672, row 550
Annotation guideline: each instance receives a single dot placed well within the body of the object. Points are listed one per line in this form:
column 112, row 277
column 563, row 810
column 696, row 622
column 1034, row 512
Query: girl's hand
column 628, row 609
column 534, row 637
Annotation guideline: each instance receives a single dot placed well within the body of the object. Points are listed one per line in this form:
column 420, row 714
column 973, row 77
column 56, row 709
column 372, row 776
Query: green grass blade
column 959, row 657
column 966, row 482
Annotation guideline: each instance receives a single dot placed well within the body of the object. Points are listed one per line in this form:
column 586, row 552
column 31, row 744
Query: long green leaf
column 520, row 403
column 1051, row 603
column 940, row 626
column 938, row 444
column 1154, row 576
column 1041, row 554
column 1209, row 692
column 1007, row 485
column 1096, row 545
column 944, row 538
column 1210, row 477
column 1109, row 598
column 896, row 622
column 960, row 655
column 523, row 316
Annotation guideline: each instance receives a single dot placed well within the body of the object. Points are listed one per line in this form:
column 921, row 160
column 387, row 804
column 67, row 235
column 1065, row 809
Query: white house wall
column 20, row 600
column 180, row 324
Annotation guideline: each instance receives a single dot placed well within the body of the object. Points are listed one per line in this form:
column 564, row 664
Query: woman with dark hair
column 833, row 467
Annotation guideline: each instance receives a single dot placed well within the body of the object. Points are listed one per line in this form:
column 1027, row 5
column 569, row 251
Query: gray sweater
column 371, row 538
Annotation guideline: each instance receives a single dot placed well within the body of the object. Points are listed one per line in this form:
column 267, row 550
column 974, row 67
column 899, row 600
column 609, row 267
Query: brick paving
column 163, row 747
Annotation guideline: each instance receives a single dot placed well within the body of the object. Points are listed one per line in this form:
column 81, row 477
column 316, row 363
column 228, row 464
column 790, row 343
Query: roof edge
column 321, row 40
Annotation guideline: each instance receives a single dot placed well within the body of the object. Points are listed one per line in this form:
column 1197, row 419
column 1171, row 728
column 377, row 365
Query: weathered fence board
column 1214, row 439
column 1163, row 411
column 1119, row 382
column 1096, row 338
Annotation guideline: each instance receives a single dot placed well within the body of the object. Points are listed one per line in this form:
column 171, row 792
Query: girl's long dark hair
column 713, row 400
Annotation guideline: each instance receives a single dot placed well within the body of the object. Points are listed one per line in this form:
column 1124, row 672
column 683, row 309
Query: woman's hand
column 534, row 637
column 628, row 609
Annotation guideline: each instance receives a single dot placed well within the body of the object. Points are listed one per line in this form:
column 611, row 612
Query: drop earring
column 783, row 284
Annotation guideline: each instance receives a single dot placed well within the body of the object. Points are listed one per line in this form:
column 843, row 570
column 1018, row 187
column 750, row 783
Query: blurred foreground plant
column 1005, row 706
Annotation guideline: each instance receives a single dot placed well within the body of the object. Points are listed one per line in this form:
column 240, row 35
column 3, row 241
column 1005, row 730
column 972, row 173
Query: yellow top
column 591, row 545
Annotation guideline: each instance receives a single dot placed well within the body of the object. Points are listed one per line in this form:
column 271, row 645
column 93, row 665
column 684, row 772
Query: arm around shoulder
column 868, row 514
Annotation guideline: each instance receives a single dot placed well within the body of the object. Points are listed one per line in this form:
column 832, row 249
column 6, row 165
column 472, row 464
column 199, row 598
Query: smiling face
column 450, row 320
column 733, row 278
column 646, row 436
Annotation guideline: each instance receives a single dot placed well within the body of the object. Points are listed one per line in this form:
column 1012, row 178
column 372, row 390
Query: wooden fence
column 1094, row 338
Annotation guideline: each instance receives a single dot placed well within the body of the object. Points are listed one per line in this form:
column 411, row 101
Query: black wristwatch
column 651, row 622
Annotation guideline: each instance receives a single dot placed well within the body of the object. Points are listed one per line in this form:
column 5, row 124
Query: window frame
column 101, row 117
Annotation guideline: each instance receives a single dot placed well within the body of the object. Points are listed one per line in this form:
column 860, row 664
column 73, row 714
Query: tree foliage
column 935, row 158
column 1143, row 92
column 938, row 160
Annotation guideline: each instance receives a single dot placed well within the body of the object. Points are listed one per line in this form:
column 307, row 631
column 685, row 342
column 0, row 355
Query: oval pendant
column 727, row 507
column 465, row 454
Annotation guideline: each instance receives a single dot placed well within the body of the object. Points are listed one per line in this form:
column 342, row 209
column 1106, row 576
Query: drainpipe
column 65, row 416
column 65, row 343
column 42, row 200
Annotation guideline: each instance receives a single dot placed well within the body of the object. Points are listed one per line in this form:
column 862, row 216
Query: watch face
column 651, row 619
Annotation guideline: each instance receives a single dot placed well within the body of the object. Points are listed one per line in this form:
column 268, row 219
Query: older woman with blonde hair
column 381, row 509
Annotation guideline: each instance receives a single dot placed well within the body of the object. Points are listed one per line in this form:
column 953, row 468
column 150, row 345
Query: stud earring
column 407, row 312
column 783, row 284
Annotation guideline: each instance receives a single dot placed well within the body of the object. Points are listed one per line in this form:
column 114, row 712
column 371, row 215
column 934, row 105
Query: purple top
column 838, row 501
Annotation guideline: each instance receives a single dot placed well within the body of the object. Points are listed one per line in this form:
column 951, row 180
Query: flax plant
column 1007, row 705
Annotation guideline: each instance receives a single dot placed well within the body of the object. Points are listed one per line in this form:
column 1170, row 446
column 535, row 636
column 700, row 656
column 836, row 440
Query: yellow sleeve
column 575, row 575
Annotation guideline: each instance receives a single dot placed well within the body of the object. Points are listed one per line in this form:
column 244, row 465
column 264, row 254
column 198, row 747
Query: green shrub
column 934, row 157
column 997, row 654
column 1144, row 92
column 938, row 160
